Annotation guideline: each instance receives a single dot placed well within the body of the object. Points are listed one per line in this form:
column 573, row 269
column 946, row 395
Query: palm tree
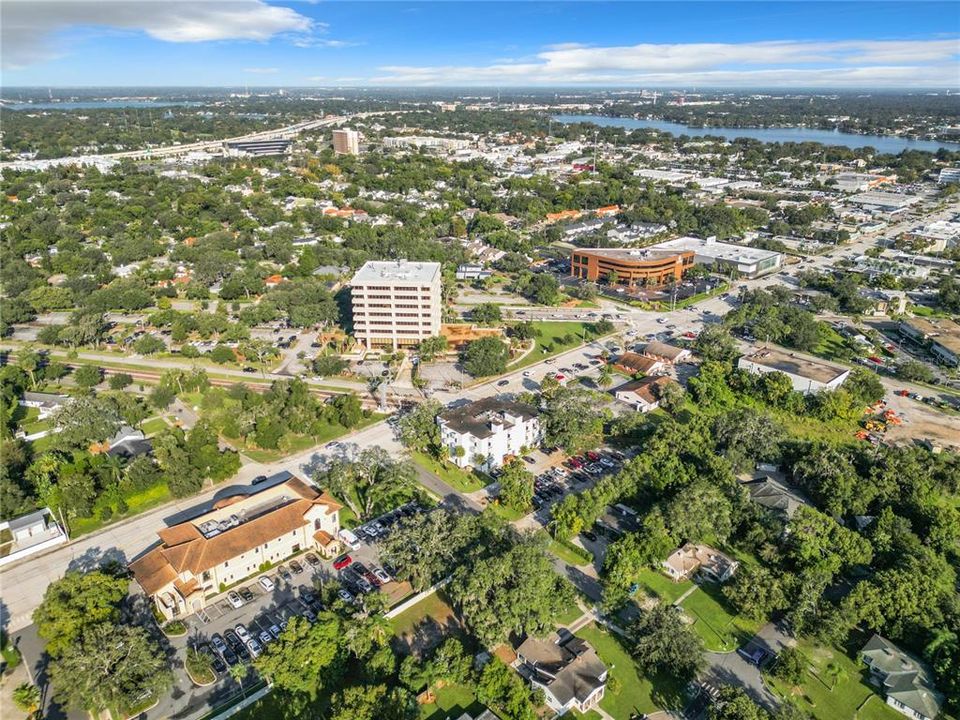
column 27, row 697
column 605, row 378
column 238, row 672
column 836, row 673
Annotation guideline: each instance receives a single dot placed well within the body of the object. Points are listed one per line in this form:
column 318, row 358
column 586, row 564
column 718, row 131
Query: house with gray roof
column 774, row 495
column 567, row 669
column 906, row 681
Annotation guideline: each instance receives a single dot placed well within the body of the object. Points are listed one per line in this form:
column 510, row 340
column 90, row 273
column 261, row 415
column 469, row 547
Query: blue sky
column 257, row 43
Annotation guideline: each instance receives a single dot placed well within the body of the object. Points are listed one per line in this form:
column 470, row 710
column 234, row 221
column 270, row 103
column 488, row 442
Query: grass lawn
column 663, row 587
column 448, row 472
column 154, row 425
column 433, row 608
column 832, row 344
column 551, row 342
column 569, row 615
column 569, row 552
column 36, row 426
column 507, row 513
column 42, row 444
column 304, row 442
column 452, row 702
column 720, row 627
column 851, row 697
column 638, row 694
column 136, row 503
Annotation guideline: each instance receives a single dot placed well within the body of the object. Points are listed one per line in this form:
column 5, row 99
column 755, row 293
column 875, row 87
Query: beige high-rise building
column 396, row 303
column 346, row 142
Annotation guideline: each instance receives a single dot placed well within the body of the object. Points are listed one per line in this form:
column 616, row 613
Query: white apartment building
column 346, row 142
column 199, row 559
column 396, row 303
column 484, row 433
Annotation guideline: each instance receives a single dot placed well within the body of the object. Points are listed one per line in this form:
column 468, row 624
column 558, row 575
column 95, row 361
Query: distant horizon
column 946, row 89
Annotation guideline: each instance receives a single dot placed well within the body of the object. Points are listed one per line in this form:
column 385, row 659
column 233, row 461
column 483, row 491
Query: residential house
column 240, row 536
column 774, row 495
column 905, row 680
column 46, row 403
column 685, row 562
column 473, row 271
column 567, row 669
column 631, row 363
column 643, row 395
column 667, row 353
column 485, row 433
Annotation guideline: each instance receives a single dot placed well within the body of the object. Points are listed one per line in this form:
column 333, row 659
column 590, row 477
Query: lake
column 99, row 105
column 882, row 143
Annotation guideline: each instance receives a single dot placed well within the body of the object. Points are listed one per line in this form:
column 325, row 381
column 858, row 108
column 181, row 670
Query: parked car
column 284, row 573
column 592, row 537
column 592, row 456
column 364, row 584
column 254, row 646
column 296, row 567
column 266, row 583
column 258, row 479
column 275, row 631
column 265, row 638
column 503, row 383
column 241, row 631
column 381, row 575
column 312, row 560
column 234, row 599
column 217, row 641
column 349, row 539
column 341, row 562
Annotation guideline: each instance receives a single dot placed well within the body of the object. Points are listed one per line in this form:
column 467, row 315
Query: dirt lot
column 922, row 422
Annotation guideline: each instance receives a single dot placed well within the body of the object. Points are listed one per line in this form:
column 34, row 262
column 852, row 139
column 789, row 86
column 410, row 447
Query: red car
column 341, row 562
column 592, row 456
column 574, row 463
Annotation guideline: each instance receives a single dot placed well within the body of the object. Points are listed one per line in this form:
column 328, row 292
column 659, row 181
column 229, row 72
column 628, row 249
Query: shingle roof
column 905, row 678
column 571, row 670
column 662, row 350
column 635, row 362
column 647, row 389
column 475, row 418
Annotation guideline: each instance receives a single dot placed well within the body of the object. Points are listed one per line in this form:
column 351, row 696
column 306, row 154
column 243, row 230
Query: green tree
column 307, row 657
column 757, row 592
column 119, row 381
column 516, row 486
column 714, row 343
column 149, row 345
column 418, row 429
column 733, row 703
column 485, row 356
column 75, row 603
column 486, row 314
column 110, row 666
column 661, row 642
column 26, row 697
column 503, row 689
column 790, row 666
column 573, row 419
column 424, row 547
column 430, row 347
column 87, row 376
column 373, row 702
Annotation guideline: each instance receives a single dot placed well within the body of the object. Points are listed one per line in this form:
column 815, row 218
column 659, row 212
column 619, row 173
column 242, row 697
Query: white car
column 235, row 600
column 381, row 575
column 345, row 595
column 266, row 583
column 254, row 647
column 242, row 633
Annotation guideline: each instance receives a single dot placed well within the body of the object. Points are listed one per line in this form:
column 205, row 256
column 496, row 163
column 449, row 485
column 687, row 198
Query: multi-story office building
column 198, row 559
column 486, row 432
column 258, row 148
column 629, row 267
column 396, row 303
column 346, row 142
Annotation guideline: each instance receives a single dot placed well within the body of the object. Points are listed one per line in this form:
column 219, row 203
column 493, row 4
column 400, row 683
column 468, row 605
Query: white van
column 351, row 540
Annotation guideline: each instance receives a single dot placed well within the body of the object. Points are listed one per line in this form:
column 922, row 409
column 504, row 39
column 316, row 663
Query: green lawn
column 663, row 587
column 637, row 694
column 507, row 513
column 448, row 472
column 715, row 621
column 832, row 344
column 136, row 503
column 300, row 443
column 569, row 615
column 433, row 607
column 851, row 697
column 154, row 425
column 550, row 342
column 570, row 553
column 452, row 702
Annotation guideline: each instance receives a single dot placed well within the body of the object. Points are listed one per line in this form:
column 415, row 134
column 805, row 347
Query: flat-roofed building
column 197, row 559
column 258, row 148
column 346, row 142
column 396, row 303
column 749, row 262
column 887, row 202
column 806, row 375
column 941, row 336
column 484, row 433
column 629, row 267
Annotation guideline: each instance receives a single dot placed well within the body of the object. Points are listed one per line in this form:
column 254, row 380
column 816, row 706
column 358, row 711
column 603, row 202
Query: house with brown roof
column 643, row 395
column 197, row 560
column 685, row 562
column 631, row 363
column 667, row 353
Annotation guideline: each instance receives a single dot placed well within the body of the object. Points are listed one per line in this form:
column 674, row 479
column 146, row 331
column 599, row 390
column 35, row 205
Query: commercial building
column 685, row 562
column 472, row 271
column 886, row 202
column 346, row 142
column 806, row 376
column 746, row 261
column 906, row 682
column 196, row 560
column 941, row 336
column 629, row 267
column 257, row 148
column 631, row 363
column 949, row 175
column 421, row 141
column 396, row 303
column 485, row 433
column 856, row 182
column 567, row 669
column 667, row 353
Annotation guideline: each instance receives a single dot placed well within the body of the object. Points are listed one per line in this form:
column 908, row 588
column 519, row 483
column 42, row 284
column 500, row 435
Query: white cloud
column 30, row 27
column 852, row 63
column 262, row 70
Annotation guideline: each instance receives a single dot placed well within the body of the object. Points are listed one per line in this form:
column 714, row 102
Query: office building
column 949, row 175
column 885, row 202
column 396, row 303
column 196, row 560
column 748, row 262
column 486, row 433
column 346, row 142
column 643, row 395
column 257, row 148
column 629, row 267
column 807, row 376
column 940, row 336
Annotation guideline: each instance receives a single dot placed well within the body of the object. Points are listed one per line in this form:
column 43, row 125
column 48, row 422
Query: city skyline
column 522, row 44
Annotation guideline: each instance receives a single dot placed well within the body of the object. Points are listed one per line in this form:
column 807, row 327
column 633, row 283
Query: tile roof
column 647, row 389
